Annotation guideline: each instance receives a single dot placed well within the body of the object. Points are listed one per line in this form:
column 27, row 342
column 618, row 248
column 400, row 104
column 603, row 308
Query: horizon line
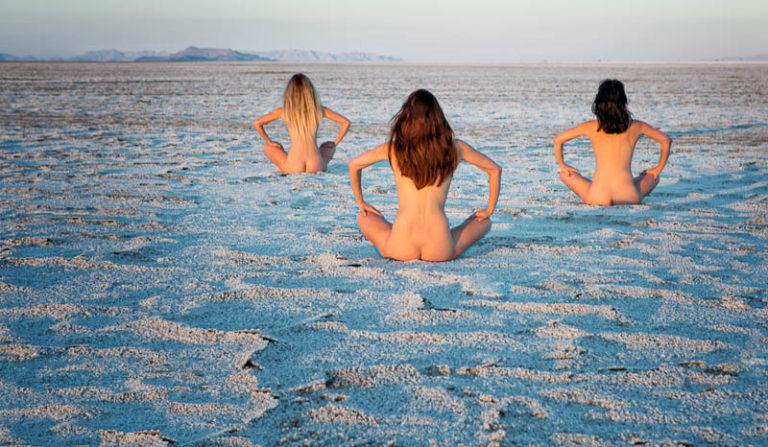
column 753, row 58
column 400, row 62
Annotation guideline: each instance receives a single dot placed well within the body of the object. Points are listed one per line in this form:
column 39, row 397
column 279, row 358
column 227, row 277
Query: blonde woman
column 302, row 114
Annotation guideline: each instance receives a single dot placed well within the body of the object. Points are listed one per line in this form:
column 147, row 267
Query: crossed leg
column 375, row 228
column 576, row 183
column 326, row 152
column 276, row 154
column 645, row 183
column 469, row 232
column 581, row 185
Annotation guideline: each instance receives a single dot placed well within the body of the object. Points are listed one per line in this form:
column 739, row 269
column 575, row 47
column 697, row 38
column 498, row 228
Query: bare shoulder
column 461, row 147
column 584, row 128
column 382, row 150
column 638, row 127
column 461, row 144
column 275, row 114
column 334, row 116
column 588, row 126
column 367, row 158
column 650, row 131
column 269, row 117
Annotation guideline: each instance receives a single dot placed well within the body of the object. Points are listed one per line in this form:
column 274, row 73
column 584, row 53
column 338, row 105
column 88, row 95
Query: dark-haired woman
column 423, row 155
column 613, row 136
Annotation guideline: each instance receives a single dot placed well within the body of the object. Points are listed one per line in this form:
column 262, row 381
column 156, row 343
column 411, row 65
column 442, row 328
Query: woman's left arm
column 266, row 119
column 356, row 166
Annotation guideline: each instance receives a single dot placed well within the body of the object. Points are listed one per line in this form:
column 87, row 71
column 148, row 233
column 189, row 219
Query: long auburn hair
column 302, row 111
column 610, row 107
column 421, row 141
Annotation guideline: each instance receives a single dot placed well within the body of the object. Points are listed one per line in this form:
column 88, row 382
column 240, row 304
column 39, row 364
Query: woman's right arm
column 485, row 164
column 562, row 138
column 337, row 118
column 266, row 119
column 664, row 141
column 356, row 166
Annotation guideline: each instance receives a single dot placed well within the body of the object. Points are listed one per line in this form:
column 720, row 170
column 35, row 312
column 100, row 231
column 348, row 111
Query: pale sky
column 415, row 30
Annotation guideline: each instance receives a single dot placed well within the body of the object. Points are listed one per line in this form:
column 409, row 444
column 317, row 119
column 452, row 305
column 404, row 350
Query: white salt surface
column 161, row 284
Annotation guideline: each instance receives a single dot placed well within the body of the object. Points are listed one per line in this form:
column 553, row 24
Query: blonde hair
column 302, row 111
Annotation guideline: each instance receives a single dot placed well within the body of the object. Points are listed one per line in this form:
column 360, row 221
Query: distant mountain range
column 8, row 57
column 115, row 56
column 319, row 56
column 195, row 54
column 753, row 58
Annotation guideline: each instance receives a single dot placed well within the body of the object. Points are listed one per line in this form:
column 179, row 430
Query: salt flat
column 161, row 284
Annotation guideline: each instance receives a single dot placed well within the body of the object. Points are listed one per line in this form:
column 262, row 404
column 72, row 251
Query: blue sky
column 416, row 30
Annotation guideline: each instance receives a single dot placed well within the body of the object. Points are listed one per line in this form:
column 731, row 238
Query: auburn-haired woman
column 613, row 136
column 423, row 155
column 302, row 114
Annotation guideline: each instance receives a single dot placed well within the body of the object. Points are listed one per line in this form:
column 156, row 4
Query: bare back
column 613, row 182
column 420, row 229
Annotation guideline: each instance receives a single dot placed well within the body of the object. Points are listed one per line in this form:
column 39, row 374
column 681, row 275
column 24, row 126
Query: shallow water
column 159, row 281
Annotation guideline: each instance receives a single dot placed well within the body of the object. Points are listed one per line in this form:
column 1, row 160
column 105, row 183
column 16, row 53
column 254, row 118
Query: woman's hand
column 655, row 172
column 483, row 214
column 275, row 144
column 569, row 170
column 365, row 208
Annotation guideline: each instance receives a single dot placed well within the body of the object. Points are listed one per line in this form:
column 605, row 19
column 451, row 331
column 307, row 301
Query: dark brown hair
column 610, row 107
column 422, row 141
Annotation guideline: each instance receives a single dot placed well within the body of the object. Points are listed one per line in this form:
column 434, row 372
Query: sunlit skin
column 303, row 155
column 420, row 229
column 612, row 182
